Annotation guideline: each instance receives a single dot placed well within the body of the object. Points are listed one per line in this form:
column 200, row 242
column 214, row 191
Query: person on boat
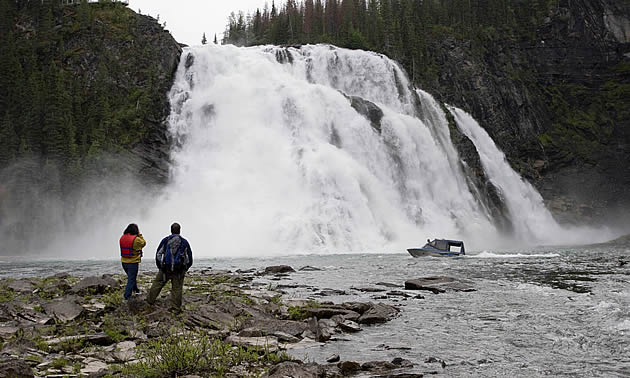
column 131, row 244
column 173, row 259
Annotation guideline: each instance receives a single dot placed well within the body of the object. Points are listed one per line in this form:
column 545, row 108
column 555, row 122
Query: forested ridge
column 401, row 29
column 77, row 82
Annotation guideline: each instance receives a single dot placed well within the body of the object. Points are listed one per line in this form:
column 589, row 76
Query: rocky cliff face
column 556, row 103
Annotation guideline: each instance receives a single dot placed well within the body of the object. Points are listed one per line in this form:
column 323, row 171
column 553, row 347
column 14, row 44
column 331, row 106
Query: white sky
column 187, row 20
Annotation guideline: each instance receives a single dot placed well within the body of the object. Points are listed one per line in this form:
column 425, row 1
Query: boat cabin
column 448, row 245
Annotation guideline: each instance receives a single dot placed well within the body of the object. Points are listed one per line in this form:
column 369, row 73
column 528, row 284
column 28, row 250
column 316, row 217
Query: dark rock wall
column 556, row 103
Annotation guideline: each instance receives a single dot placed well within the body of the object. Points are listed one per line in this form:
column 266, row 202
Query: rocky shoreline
column 232, row 325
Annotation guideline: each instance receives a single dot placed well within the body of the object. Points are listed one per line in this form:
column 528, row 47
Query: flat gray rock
column 97, row 285
column 378, row 313
column 64, row 310
column 269, row 343
column 438, row 284
column 22, row 286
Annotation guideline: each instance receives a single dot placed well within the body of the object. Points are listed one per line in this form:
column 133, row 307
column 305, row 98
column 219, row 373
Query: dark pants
column 177, row 286
column 132, row 273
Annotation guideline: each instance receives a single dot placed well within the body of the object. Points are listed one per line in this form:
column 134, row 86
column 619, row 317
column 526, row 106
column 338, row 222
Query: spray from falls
column 316, row 149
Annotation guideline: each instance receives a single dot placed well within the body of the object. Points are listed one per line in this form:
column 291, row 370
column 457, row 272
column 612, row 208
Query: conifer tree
column 203, row 39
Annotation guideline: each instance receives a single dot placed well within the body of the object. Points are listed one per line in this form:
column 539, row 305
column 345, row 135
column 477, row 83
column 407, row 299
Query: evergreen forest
column 66, row 96
column 400, row 29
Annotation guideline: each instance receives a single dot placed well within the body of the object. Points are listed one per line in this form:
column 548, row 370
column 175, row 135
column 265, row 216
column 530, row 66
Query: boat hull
column 423, row 252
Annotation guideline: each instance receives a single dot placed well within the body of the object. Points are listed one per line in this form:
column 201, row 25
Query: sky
column 187, row 20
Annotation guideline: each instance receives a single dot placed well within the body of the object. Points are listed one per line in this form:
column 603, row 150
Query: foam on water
column 491, row 255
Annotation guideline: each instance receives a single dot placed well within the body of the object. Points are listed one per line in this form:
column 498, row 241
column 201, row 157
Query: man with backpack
column 173, row 259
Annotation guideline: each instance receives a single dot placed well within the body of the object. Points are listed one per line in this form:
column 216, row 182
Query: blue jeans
column 132, row 272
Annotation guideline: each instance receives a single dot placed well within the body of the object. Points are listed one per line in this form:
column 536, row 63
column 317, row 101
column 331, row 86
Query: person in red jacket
column 131, row 244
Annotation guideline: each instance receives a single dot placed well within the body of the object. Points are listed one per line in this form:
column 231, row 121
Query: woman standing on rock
column 131, row 244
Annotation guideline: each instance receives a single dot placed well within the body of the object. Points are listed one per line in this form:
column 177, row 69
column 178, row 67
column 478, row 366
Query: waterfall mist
column 293, row 151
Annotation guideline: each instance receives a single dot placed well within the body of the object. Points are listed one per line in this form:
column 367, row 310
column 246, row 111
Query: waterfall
column 316, row 149
column 532, row 221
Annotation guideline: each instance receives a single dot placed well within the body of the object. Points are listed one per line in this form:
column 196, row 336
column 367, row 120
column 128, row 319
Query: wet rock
column 64, row 310
column 277, row 269
column 349, row 326
column 306, row 342
column 401, row 362
column 327, row 312
column 378, row 313
column 358, row 307
column 375, row 366
column 309, row 269
column 438, row 284
column 369, row 110
column 286, row 338
column 398, row 293
column 296, row 369
column 368, row 289
column 388, row 284
column 326, row 329
column 96, row 285
column 432, row 360
column 15, row 368
column 268, row 343
column 328, row 292
column 349, row 367
column 333, row 358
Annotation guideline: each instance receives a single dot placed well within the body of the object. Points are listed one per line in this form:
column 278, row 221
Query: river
column 547, row 311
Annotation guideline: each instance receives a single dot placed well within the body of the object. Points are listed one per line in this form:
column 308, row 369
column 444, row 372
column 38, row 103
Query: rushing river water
column 543, row 312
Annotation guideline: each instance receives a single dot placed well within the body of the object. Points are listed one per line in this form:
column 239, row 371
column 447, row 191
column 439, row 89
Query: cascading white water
column 532, row 221
column 274, row 159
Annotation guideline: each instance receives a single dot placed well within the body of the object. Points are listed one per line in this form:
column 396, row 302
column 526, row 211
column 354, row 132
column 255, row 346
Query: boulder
column 356, row 306
column 296, row 369
column 349, row 367
column 96, row 285
column 349, row 326
column 276, row 269
column 64, row 310
column 326, row 312
column 438, row 284
column 401, row 362
column 378, row 313
column 15, row 368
